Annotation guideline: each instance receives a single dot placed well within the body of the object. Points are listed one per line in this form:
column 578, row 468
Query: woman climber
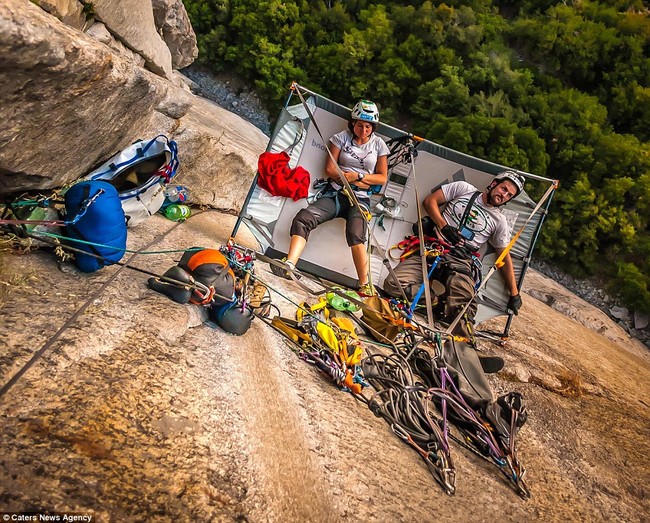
column 361, row 157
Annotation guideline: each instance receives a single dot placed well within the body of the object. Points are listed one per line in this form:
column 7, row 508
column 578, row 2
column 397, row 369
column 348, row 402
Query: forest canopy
column 559, row 89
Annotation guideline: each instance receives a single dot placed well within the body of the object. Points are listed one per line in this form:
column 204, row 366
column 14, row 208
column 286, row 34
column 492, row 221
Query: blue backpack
column 99, row 219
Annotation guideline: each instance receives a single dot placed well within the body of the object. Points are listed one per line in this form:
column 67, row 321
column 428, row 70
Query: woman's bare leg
column 360, row 258
column 296, row 247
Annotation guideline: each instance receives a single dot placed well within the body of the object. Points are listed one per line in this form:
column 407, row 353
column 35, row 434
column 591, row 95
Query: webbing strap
column 423, row 254
column 465, row 216
column 289, row 148
column 139, row 154
column 295, row 334
column 425, row 283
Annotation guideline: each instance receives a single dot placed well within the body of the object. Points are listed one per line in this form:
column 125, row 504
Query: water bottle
column 176, row 194
column 340, row 303
column 178, row 213
column 336, row 301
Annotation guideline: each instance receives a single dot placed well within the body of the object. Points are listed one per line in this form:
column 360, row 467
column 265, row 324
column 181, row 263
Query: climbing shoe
column 260, row 300
column 282, row 272
column 366, row 290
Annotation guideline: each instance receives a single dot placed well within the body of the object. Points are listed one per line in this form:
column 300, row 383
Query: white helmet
column 514, row 177
column 365, row 110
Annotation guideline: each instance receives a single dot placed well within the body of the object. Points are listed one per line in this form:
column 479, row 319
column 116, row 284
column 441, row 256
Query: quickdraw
column 202, row 295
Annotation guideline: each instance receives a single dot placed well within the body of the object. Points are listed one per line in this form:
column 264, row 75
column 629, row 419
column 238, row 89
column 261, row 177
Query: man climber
column 470, row 219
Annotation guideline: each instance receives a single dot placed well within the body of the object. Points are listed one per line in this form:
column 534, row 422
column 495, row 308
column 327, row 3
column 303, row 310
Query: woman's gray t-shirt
column 359, row 158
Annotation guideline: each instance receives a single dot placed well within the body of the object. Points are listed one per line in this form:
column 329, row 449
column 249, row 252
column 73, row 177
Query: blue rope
column 418, row 295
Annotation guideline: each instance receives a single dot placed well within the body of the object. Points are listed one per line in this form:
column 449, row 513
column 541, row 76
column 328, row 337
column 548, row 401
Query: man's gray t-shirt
column 486, row 222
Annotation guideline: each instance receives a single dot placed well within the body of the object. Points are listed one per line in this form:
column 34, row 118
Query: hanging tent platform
column 327, row 254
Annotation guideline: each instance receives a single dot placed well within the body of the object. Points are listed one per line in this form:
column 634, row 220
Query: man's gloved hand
column 514, row 303
column 452, row 234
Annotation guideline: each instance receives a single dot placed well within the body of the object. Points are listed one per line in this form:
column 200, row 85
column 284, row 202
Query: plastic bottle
column 178, row 213
column 342, row 304
column 336, row 301
column 177, row 194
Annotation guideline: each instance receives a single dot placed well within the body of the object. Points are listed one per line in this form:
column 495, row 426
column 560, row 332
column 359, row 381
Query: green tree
column 446, row 95
column 571, row 123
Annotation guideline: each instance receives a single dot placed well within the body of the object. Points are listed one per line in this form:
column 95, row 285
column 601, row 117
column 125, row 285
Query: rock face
column 139, row 411
column 70, row 12
column 559, row 298
column 67, row 100
column 101, row 33
column 69, row 103
column 218, row 153
column 174, row 25
column 128, row 27
column 132, row 21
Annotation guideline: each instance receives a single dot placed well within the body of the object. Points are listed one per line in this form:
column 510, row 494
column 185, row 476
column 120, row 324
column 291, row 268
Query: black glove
column 452, row 234
column 514, row 304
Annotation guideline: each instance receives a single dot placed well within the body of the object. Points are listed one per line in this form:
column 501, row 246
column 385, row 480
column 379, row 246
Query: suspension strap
column 423, row 255
column 465, row 217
